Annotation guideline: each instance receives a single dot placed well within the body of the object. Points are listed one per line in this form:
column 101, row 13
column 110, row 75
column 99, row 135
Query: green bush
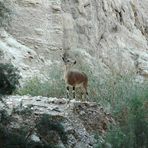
column 132, row 128
column 127, row 101
column 128, row 104
column 9, row 79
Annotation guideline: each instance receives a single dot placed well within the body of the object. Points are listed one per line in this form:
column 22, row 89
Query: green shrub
column 131, row 117
column 125, row 98
column 9, row 79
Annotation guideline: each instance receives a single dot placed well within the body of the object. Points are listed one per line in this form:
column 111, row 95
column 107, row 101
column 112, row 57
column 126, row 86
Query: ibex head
column 67, row 60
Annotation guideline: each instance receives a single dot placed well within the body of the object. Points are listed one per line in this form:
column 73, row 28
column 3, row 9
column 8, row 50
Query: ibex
column 74, row 78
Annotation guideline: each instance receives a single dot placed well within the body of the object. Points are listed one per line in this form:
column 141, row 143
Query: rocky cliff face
column 109, row 33
column 103, row 35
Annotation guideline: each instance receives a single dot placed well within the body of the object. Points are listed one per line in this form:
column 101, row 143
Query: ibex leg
column 67, row 91
column 73, row 92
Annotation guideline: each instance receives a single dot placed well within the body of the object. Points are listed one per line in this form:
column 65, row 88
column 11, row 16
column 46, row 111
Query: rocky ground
column 80, row 120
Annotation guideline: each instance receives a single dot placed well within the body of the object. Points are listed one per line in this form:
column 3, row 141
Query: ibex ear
column 75, row 62
column 63, row 58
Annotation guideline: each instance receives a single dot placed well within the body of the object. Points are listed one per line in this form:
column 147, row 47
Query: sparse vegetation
column 131, row 130
column 127, row 100
column 54, row 87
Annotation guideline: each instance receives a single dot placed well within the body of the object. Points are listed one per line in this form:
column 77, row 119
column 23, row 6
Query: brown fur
column 75, row 78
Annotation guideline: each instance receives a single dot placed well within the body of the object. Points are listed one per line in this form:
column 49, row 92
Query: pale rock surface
column 111, row 33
